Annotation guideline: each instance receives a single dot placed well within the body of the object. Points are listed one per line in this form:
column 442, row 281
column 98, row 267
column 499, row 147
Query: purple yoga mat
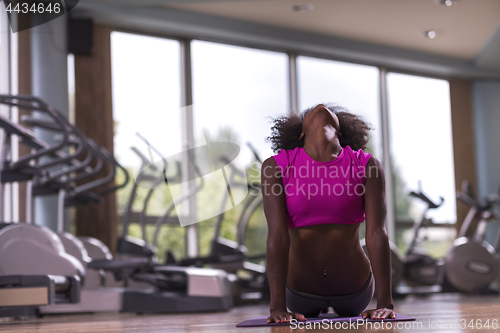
column 262, row 321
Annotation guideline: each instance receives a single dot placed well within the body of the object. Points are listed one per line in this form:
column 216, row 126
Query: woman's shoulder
column 284, row 156
column 360, row 155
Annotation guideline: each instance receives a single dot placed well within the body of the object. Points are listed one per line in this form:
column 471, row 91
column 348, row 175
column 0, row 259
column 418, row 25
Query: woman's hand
column 283, row 316
column 381, row 313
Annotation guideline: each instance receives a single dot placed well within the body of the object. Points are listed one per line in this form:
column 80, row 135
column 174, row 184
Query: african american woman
column 318, row 189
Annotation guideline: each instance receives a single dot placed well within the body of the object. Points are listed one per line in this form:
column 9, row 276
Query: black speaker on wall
column 80, row 38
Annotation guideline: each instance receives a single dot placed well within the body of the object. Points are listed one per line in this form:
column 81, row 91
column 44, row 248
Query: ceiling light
column 303, row 7
column 447, row 3
column 431, row 34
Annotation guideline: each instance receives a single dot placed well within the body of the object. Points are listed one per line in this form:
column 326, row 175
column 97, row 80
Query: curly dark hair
column 287, row 129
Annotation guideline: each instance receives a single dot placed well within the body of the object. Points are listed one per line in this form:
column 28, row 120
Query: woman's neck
column 322, row 144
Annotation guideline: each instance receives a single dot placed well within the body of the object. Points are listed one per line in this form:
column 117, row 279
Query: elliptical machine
column 251, row 283
column 172, row 289
column 151, row 177
column 34, row 268
column 61, row 183
column 248, row 280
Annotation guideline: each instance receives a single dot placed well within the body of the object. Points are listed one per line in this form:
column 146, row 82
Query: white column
column 50, row 83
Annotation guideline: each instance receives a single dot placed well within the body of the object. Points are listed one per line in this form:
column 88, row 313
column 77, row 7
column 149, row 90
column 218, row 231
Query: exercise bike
column 470, row 263
column 422, row 273
column 420, row 269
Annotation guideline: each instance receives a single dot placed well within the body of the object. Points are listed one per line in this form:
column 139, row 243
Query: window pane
column 421, row 144
column 146, row 100
column 352, row 86
column 146, row 94
column 235, row 89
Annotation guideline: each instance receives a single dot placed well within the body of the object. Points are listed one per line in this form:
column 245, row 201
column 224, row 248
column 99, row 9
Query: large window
column 146, row 100
column 421, row 147
column 354, row 87
column 235, row 90
column 421, row 143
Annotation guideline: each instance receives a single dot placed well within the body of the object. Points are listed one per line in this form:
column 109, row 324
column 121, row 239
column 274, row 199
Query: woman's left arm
column 377, row 241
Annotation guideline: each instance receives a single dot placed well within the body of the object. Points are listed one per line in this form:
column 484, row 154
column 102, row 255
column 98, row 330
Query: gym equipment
column 83, row 248
column 35, row 253
column 470, row 263
column 496, row 246
column 34, row 257
column 106, row 299
column 53, row 182
column 95, row 295
column 172, row 289
column 232, row 256
column 129, row 246
column 59, row 182
column 150, row 177
column 420, row 269
column 20, row 295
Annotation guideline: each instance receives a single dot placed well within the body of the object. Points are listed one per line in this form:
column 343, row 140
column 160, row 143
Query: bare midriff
column 327, row 260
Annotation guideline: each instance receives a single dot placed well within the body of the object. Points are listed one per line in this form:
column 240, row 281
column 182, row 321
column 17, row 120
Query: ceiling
column 463, row 29
column 378, row 32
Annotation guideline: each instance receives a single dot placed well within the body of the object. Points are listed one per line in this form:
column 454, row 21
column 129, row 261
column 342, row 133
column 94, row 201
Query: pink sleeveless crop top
column 323, row 192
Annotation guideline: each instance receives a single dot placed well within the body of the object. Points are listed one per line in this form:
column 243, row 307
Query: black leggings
column 310, row 305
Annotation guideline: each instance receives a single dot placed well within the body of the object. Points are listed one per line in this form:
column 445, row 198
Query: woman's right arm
column 278, row 241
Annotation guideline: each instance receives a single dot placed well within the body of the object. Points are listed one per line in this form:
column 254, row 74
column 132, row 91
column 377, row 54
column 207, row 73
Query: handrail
column 42, row 107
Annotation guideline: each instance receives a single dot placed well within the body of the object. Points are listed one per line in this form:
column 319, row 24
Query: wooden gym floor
column 436, row 308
